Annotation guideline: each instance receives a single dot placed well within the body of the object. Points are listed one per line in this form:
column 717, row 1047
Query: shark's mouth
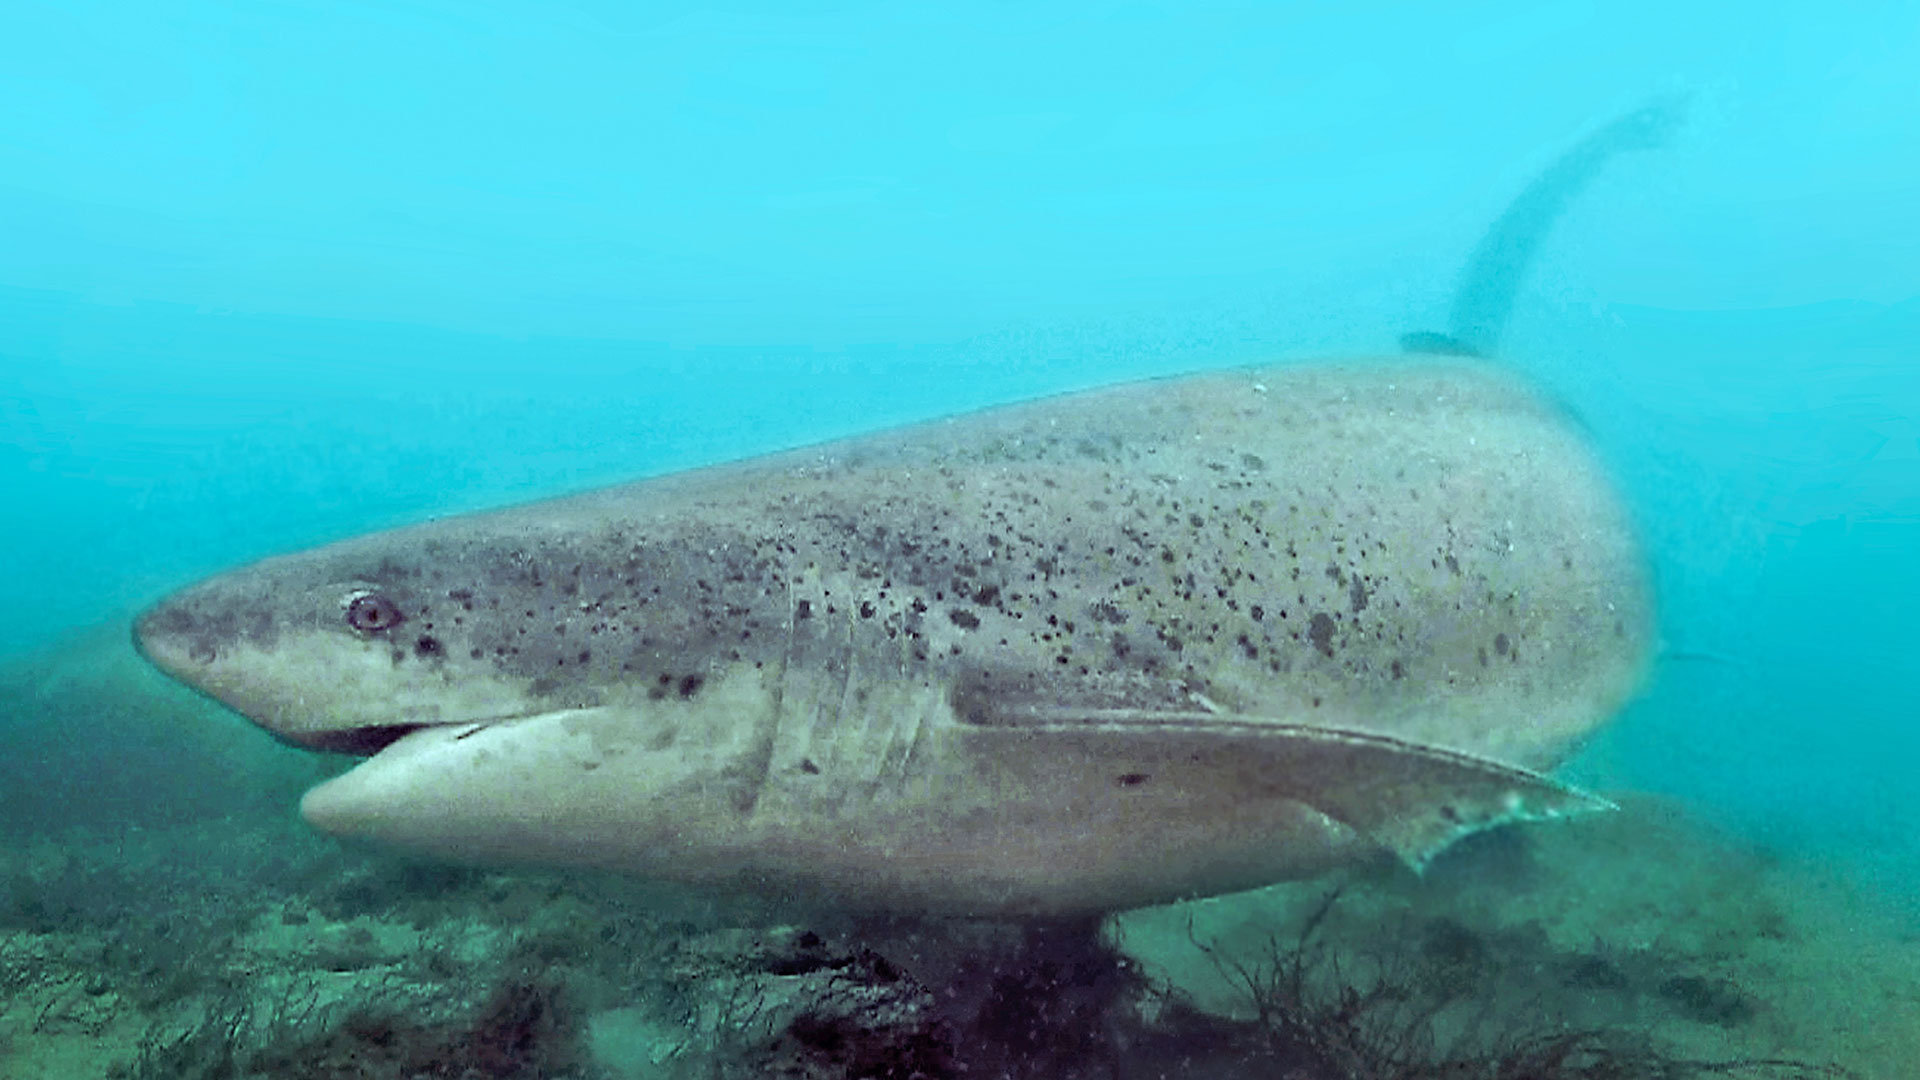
column 371, row 740
column 359, row 742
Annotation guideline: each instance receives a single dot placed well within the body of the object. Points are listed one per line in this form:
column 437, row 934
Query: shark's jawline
column 359, row 742
column 371, row 740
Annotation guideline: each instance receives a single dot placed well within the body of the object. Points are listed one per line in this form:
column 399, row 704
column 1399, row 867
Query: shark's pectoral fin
column 1411, row 798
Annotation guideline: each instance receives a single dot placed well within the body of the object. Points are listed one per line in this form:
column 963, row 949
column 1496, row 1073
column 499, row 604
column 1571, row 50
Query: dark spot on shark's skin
column 1501, row 643
column 803, row 609
column 1132, row 779
column 965, row 620
column 1357, row 594
column 427, row 646
column 690, row 685
column 1320, row 632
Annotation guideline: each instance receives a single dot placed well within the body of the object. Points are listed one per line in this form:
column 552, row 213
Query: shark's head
column 467, row 620
column 482, row 664
column 345, row 649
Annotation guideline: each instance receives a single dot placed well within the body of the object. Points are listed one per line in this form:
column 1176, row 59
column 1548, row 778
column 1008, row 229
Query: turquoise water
column 276, row 274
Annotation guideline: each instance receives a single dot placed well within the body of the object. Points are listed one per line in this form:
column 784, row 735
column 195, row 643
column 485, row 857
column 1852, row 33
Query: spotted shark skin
column 1109, row 649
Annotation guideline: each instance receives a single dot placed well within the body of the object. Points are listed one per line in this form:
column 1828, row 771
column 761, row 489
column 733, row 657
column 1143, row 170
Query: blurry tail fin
column 1500, row 261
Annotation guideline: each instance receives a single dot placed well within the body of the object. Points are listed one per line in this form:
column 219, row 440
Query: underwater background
column 273, row 274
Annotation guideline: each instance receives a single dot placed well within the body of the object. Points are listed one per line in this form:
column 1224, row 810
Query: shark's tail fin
column 1484, row 298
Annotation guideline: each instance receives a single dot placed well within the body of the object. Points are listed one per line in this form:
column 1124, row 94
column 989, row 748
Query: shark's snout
column 314, row 662
column 199, row 635
column 172, row 639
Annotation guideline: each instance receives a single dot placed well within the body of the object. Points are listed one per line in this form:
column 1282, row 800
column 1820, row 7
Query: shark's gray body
column 1160, row 640
column 1109, row 649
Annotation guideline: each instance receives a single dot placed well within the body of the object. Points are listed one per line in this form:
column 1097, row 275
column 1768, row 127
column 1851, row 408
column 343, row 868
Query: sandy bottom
column 1641, row 919
column 270, row 953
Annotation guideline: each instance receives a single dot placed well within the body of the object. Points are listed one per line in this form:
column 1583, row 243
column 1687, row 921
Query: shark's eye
column 371, row 613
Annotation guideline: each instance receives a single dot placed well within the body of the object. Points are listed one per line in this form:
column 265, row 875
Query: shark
column 1109, row 649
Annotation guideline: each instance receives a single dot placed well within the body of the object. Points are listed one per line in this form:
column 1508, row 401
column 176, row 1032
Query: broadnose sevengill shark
column 1109, row 649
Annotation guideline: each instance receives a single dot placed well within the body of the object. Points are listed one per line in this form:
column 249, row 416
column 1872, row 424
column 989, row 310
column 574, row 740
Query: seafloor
column 1627, row 945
